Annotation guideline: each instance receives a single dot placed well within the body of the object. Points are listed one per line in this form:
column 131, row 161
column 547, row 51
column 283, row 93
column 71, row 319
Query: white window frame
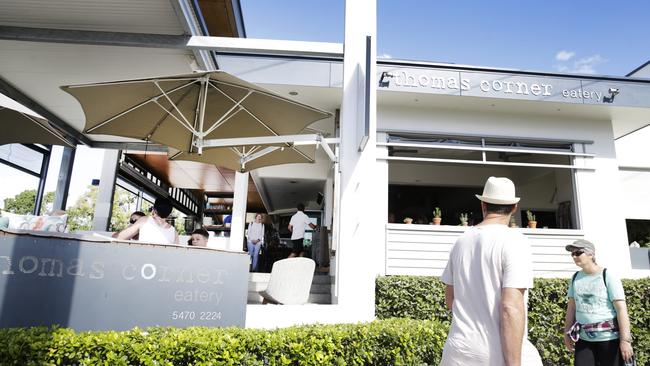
column 578, row 164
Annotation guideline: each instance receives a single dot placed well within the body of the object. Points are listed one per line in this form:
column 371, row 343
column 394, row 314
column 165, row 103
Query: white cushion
column 39, row 223
column 290, row 281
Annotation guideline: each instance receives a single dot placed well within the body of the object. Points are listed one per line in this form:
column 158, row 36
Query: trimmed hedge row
column 382, row 342
column 423, row 298
column 415, row 339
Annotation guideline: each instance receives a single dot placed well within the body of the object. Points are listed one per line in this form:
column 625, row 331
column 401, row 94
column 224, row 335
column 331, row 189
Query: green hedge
column 382, row 342
column 423, row 298
column 415, row 341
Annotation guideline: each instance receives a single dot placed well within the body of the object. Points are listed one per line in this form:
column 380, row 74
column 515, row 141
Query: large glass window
column 447, row 172
column 22, row 166
column 22, row 156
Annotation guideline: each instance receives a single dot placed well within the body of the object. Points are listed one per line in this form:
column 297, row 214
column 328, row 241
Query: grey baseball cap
column 581, row 244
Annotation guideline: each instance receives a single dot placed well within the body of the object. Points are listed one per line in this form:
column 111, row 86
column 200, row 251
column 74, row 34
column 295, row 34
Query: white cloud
column 384, row 55
column 564, row 55
column 586, row 65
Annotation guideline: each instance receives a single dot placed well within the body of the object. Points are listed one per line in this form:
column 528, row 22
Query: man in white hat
column 488, row 273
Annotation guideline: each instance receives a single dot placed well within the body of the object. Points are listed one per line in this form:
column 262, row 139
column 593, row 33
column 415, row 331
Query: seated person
column 154, row 228
column 227, row 221
column 132, row 220
column 199, row 238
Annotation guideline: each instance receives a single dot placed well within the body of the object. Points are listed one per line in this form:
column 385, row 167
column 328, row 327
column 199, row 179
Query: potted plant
column 437, row 216
column 463, row 219
column 408, row 220
column 532, row 222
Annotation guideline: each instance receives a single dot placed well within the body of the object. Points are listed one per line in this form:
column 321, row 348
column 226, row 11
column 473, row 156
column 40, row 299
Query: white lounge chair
column 290, row 281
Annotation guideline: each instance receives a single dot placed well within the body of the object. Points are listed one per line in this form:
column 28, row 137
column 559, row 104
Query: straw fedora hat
column 499, row 191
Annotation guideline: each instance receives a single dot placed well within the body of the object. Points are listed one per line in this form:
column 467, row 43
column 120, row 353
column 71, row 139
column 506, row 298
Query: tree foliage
column 178, row 221
column 82, row 213
column 23, row 203
column 124, row 203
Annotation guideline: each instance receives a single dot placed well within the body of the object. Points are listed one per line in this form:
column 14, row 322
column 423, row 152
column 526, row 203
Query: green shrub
column 383, row 342
column 423, row 298
column 412, row 297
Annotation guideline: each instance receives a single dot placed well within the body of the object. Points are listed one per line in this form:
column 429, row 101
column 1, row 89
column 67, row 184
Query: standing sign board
column 89, row 285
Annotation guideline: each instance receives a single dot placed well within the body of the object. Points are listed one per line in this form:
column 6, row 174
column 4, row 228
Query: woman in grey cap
column 597, row 326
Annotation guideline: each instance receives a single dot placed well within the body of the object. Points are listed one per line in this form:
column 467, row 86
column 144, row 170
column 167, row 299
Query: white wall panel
column 423, row 250
column 635, row 186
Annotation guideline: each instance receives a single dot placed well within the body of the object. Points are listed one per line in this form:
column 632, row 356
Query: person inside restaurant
column 199, row 238
column 154, row 228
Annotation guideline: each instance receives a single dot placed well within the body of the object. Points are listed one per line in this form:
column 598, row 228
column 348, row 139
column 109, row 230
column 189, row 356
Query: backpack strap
column 605, row 280
column 573, row 279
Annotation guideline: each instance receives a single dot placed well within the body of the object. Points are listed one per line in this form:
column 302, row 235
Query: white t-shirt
column 299, row 222
column 150, row 232
column 256, row 232
column 483, row 261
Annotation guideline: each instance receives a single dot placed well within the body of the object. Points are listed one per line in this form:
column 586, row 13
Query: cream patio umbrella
column 20, row 125
column 183, row 111
column 246, row 158
column 249, row 153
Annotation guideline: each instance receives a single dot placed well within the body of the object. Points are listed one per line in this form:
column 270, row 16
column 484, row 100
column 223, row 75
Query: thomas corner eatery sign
column 100, row 286
column 515, row 86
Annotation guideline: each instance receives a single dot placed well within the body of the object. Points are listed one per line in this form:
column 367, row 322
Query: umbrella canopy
column 246, row 158
column 181, row 111
column 20, row 125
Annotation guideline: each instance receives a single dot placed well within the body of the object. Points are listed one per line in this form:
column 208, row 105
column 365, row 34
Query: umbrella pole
column 202, row 101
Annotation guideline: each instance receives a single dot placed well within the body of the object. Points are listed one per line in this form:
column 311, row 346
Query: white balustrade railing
column 423, row 250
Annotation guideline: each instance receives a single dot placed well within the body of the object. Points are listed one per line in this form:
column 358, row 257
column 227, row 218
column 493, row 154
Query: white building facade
column 447, row 128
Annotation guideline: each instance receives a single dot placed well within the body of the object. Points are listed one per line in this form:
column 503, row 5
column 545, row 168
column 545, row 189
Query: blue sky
column 572, row 36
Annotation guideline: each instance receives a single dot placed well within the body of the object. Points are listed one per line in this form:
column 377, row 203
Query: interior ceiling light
column 293, row 92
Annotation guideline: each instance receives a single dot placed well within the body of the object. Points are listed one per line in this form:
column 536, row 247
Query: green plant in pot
column 464, row 218
column 532, row 221
column 437, row 216
column 408, row 220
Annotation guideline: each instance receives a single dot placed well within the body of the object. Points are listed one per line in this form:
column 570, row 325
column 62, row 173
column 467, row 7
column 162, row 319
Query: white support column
column 104, row 205
column 328, row 199
column 358, row 239
column 238, row 212
column 380, row 212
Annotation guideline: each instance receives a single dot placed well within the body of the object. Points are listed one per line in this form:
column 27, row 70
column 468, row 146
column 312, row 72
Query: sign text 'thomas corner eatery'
column 515, row 86
column 90, row 285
